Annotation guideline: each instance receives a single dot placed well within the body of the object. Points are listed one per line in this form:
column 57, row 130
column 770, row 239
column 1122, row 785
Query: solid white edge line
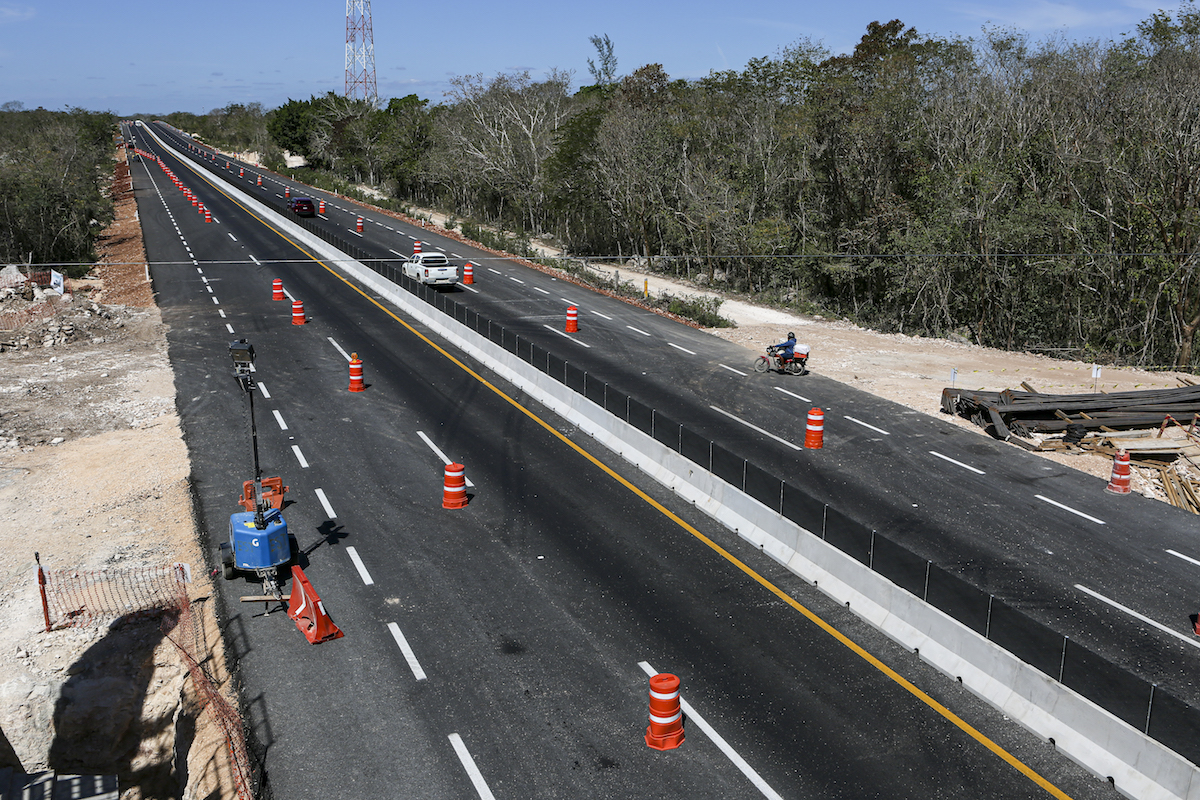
column 299, row 456
column 409, row 655
column 1045, row 499
column 792, row 394
column 358, row 565
column 345, row 355
column 957, row 463
column 1182, row 637
column 564, row 335
column 279, row 418
column 468, row 763
column 754, row 427
column 719, row 741
column 1185, row 558
column 262, row 388
column 731, row 369
column 684, row 349
column 637, row 330
column 867, row 425
column 325, row 502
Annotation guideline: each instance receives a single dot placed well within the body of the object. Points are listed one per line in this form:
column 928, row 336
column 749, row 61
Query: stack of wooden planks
column 1022, row 413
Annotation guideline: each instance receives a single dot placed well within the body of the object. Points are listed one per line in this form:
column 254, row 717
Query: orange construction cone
column 277, row 289
column 1119, row 482
column 814, row 435
column 356, row 379
column 468, row 273
column 572, row 320
column 306, row 608
column 665, row 731
column 298, row 317
column 207, row 214
column 454, row 494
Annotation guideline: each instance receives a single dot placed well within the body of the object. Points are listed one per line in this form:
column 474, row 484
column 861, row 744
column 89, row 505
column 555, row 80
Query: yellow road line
column 962, row 724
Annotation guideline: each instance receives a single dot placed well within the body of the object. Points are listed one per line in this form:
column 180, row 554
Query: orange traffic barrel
column 468, row 273
column 356, row 373
column 814, row 435
column 287, row 191
column 416, row 246
column 241, row 172
column 358, row 225
column 259, row 183
column 195, row 200
column 1119, row 482
column 321, row 207
column 665, row 731
column 277, row 289
column 454, row 494
column 572, row 319
column 298, row 317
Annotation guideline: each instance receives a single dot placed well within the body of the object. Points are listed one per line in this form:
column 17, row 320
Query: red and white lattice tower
column 360, row 53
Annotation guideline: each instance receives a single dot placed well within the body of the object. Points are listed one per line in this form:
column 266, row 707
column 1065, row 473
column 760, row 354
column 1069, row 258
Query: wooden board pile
column 1022, row 413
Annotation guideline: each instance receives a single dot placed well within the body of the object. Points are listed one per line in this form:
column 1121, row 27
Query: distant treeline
column 55, row 173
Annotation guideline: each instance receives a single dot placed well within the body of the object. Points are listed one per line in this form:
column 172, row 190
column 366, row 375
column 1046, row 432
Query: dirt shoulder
column 94, row 474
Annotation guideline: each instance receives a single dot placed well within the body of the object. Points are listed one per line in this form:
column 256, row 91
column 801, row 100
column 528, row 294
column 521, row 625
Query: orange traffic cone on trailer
column 298, row 317
column 572, row 320
column 665, row 731
column 277, row 289
column 356, row 374
column 454, row 488
column 1119, row 482
column 814, row 434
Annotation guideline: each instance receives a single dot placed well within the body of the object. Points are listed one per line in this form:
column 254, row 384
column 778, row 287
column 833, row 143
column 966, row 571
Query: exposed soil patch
column 94, row 473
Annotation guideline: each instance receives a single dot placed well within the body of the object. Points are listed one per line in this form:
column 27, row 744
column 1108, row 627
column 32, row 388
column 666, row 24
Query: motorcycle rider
column 787, row 352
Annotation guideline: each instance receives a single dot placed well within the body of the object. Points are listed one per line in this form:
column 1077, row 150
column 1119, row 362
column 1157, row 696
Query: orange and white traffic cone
column 1119, row 482
column 454, row 490
column 277, row 289
column 468, row 273
column 665, row 731
column 287, row 192
column 814, row 434
column 207, row 214
column 259, row 182
column 320, row 206
column 298, row 317
column 241, row 172
column 416, row 246
column 356, row 373
column 572, row 320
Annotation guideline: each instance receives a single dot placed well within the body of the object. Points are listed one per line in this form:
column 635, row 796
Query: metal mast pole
column 360, row 52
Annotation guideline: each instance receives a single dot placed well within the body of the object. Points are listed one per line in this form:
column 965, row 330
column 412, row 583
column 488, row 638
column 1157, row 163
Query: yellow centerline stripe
column 962, row 724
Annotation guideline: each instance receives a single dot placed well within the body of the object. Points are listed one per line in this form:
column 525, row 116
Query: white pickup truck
column 431, row 268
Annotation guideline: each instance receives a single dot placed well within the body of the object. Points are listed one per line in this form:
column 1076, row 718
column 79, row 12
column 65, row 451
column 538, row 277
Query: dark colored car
column 302, row 207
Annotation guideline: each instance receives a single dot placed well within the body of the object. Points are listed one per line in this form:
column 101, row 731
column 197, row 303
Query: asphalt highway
column 1118, row 575
column 503, row 649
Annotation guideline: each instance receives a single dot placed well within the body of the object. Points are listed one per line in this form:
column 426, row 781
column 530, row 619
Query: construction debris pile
column 1157, row 428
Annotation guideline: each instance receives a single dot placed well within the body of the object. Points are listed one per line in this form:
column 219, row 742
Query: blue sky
column 157, row 57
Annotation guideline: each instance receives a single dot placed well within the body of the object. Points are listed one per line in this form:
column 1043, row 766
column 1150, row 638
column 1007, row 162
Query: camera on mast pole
column 242, row 353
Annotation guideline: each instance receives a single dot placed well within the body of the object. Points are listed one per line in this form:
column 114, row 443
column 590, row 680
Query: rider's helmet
column 791, row 335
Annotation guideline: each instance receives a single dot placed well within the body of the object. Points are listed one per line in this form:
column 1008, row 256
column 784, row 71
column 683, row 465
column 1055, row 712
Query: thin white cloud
column 15, row 13
column 1039, row 17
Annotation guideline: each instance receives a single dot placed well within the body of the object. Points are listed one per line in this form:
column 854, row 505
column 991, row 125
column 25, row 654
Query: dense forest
column 1030, row 195
column 1038, row 195
column 55, row 169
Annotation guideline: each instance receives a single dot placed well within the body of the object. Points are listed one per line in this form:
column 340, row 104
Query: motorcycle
column 796, row 365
